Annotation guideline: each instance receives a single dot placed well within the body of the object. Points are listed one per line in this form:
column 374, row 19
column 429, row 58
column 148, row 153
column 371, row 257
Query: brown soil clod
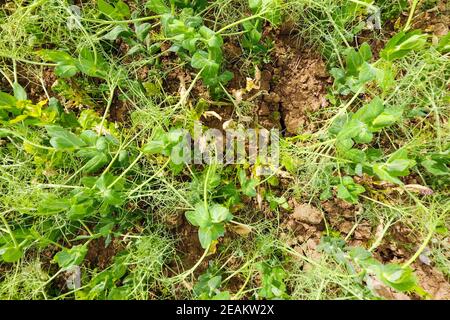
column 298, row 82
column 307, row 214
column 432, row 281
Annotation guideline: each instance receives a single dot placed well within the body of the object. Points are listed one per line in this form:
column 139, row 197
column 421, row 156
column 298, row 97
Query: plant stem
column 185, row 274
column 205, row 189
column 149, row 179
column 108, row 106
column 99, row 21
column 127, row 169
column 8, row 229
column 411, row 14
column 25, row 140
column 420, row 250
column 6, row 77
column 86, row 227
column 240, row 21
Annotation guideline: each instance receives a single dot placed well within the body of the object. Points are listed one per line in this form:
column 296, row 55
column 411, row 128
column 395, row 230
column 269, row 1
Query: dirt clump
column 432, row 281
column 307, row 214
column 303, row 228
column 298, row 82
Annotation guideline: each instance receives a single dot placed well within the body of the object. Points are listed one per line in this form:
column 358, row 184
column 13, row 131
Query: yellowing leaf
column 241, row 229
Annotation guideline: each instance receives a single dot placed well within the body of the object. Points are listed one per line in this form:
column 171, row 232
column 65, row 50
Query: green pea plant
column 360, row 263
column 208, row 285
column 352, row 129
column 195, row 42
column 210, row 218
column 270, row 11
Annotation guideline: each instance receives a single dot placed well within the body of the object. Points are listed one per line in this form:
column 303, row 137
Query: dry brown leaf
column 208, row 114
column 241, row 229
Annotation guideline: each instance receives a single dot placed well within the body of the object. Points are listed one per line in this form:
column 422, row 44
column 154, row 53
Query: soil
column 101, row 255
column 296, row 85
column 432, row 281
column 306, row 224
column 288, row 91
column 435, row 21
column 342, row 217
column 189, row 246
column 293, row 87
column 119, row 111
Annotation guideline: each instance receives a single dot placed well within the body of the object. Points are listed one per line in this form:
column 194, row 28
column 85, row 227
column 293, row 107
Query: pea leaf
column 80, row 210
column 201, row 60
column 444, row 44
column 436, row 166
column 119, row 11
column 52, row 205
column 383, row 174
column 208, row 233
column 7, row 99
column 56, row 56
column 255, row 5
column 401, row 279
column 19, row 92
column 63, row 139
column 348, row 190
column 96, row 162
column 66, row 65
column 65, row 70
column 142, row 30
column 67, row 258
column 398, row 165
column 219, row 213
column 212, row 39
column 154, row 146
column 158, row 6
column 110, row 195
column 11, row 254
column 116, row 32
column 91, row 64
column 369, row 111
column 248, row 186
column 271, row 9
column 199, row 217
column 402, row 44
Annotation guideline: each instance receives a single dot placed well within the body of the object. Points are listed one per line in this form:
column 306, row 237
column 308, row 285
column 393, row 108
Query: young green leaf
column 7, row 100
column 66, row 65
column 199, row 217
column 118, row 31
column 19, row 92
column 402, row 44
column 444, row 44
column 219, row 213
column 158, row 6
column 118, row 11
column 348, row 190
column 66, row 70
column 211, row 232
column 52, row 205
column 397, row 277
column 63, row 139
column 67, row 258
column 11, row 254
column 91, row 64
column 80, row 210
